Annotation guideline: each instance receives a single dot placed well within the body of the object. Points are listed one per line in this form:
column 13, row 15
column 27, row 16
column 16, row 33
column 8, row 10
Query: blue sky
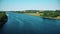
column 16, row 5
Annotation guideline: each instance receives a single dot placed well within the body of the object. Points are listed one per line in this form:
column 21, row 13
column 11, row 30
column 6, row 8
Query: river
column 26, row 24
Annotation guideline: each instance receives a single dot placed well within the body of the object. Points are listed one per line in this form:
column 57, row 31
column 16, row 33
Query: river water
column 25, row 24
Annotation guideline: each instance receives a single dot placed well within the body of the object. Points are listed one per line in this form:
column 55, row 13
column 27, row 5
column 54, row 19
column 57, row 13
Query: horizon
column 20, row 5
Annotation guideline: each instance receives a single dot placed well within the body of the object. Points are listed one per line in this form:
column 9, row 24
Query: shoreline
column 52, row 18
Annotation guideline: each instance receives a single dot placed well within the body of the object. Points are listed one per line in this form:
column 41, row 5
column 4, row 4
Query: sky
column 18, row 5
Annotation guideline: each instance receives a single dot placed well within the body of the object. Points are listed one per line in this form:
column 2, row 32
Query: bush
column 51, row 13
column 2, row 14
column 3, row 18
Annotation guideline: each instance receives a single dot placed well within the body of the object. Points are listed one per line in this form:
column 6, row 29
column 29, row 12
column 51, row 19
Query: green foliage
column 31, row 11
column 27, row 11
column 2, row 14
column 51, row 13
column 45, row 13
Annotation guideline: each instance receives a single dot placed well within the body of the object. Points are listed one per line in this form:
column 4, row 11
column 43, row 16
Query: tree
column 3, row 18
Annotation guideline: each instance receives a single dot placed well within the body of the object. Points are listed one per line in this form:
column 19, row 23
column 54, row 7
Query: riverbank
column 34, row 14
column 57, row 18
column 3, row 18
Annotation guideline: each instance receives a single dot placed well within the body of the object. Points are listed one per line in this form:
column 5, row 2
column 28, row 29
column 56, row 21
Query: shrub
column 51, row 13
column 3, row 18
